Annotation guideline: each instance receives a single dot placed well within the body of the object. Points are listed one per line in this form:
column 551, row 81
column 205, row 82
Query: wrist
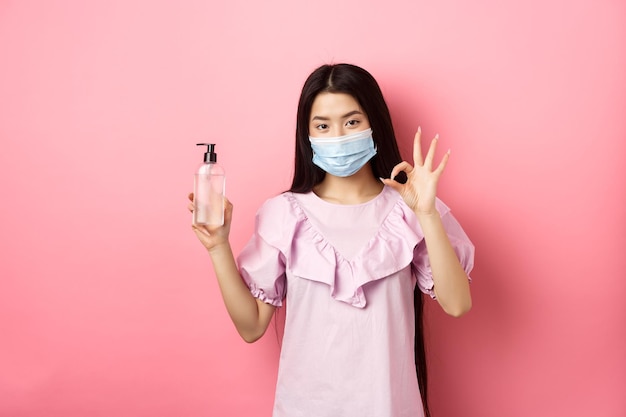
column 427, row 216
column 219, row 249
column 428, row 220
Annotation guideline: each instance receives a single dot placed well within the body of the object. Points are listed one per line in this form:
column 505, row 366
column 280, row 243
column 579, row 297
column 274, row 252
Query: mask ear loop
column 374, row 140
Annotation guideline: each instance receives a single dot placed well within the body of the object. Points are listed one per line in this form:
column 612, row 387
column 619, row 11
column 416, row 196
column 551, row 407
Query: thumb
column 228, row 210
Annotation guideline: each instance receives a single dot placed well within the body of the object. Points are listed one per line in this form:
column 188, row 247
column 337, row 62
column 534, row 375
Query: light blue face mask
column 344, row 155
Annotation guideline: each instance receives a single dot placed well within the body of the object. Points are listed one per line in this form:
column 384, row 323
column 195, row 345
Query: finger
column 402, row 166
column 443, row 163
column 190, row 207
column 417, row 147
column 430, row 156
column 199, row 230
column 190, row 196
column 392, row 183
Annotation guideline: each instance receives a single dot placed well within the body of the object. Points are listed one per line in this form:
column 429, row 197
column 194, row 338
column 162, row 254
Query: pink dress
column 348, row 274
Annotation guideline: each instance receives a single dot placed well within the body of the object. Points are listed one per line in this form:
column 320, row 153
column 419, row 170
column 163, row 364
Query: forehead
column 333, row 105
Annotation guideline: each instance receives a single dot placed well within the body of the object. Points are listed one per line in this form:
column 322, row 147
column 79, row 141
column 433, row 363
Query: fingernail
column 419, row 129
column 437, row 136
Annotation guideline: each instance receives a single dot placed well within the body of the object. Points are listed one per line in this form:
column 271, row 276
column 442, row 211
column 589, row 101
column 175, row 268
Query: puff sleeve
column 262, row 261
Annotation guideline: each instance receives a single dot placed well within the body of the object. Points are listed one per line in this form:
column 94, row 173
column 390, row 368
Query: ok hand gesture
column 420, row 189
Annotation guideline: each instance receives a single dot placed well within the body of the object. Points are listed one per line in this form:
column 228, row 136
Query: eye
column 352, row 122
column 321, row 126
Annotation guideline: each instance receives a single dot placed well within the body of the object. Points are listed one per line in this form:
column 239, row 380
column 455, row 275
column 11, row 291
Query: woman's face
column 336, row 114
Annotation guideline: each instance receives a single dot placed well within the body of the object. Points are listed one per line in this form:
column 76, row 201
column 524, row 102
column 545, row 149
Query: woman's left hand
column 420, row 189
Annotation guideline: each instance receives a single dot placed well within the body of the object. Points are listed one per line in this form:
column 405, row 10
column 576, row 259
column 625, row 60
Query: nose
column 338, row 131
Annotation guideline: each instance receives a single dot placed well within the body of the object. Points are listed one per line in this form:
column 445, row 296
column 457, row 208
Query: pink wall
column 108, row 306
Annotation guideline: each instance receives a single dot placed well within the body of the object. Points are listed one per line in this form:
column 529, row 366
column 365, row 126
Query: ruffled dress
column 347, row 273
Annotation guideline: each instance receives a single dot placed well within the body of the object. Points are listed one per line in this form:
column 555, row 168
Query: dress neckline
column 370, row 201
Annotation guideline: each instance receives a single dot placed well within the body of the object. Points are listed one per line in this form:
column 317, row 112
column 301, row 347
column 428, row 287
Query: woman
column 352, row 253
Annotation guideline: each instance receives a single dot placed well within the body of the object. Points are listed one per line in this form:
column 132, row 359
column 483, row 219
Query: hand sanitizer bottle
column 208, row 191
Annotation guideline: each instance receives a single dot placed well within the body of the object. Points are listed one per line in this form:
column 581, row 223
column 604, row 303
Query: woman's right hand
column 213, row 236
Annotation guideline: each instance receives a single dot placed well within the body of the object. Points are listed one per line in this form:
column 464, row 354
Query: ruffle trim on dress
column 261, row 295
column 386, row 253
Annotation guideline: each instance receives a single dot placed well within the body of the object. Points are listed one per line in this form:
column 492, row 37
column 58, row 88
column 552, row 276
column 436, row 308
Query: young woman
column 351, row 247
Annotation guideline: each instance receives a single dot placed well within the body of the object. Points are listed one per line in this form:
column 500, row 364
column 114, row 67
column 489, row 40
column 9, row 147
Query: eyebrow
column 352, row 113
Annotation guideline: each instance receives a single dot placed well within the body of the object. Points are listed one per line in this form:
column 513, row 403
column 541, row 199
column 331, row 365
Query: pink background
column 108, row 305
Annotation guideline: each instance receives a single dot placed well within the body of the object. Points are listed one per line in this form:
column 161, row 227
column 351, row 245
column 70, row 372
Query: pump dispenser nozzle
column 209, row 155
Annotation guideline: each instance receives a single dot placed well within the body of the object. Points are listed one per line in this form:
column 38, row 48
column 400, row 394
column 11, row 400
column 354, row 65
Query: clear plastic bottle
column 208, row 191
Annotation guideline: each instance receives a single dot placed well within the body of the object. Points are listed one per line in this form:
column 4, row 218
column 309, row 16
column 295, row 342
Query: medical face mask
column 344, row 155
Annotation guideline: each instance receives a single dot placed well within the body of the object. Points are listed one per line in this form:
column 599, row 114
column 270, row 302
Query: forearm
column 250, row 316
column 451, row 283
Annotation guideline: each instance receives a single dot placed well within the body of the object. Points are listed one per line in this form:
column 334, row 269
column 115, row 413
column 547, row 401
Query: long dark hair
column 357, row 82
